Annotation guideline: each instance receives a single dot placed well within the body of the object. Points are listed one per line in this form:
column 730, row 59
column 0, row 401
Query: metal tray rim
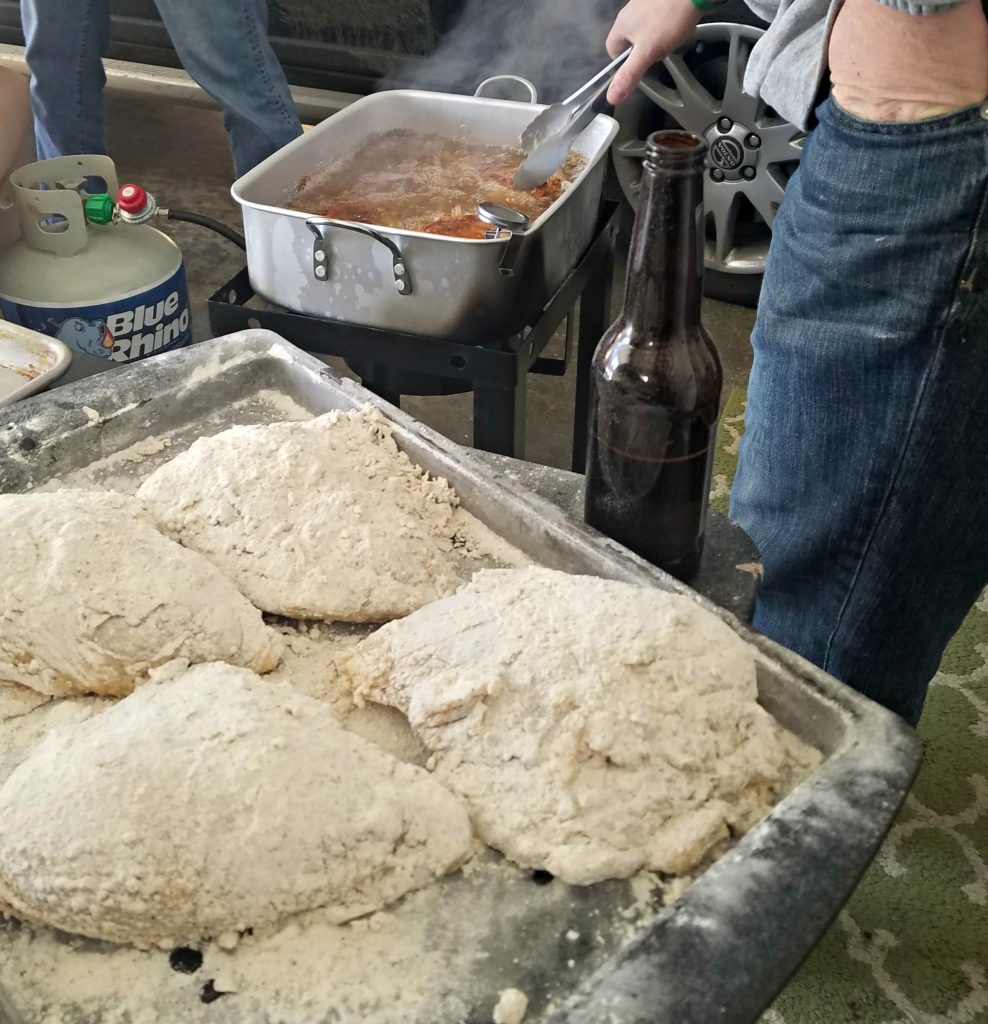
column 22, row 338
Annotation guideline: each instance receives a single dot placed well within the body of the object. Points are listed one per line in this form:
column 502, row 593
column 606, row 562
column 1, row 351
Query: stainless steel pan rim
column 237, row 187
column 532, row 226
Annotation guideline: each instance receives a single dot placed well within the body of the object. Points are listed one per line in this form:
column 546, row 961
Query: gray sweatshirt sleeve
column 923, row 8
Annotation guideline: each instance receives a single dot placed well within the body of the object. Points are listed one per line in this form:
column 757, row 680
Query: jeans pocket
column 911, row 189
column 833, row 113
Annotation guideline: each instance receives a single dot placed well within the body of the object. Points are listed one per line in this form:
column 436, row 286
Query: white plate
column 29, row 362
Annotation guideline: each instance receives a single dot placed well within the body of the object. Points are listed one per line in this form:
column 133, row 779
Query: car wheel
column 753, row 151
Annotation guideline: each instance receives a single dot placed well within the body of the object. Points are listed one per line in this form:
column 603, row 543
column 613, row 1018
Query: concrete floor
column 180, row 154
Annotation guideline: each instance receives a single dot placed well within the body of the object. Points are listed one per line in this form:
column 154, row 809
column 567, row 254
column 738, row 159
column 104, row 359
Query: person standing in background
column 223, row 45
column 863, row 472
column 15, row 135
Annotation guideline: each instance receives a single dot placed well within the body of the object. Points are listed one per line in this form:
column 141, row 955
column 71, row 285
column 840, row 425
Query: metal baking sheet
column 719, row 953
column 29, row 362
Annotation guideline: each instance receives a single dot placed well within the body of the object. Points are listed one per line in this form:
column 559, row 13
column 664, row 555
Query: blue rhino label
column 144, row 324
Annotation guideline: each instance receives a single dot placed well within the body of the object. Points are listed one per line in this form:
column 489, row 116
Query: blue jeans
column 222, row 43
column 863, row 474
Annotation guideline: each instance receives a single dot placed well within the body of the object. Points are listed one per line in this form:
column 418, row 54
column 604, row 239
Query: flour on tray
column 310, row 665
column 439, row 957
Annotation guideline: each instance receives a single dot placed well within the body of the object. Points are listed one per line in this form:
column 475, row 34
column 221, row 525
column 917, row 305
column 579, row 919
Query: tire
column 737, row 289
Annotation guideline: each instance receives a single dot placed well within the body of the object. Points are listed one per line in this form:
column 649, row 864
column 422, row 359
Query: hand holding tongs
column 547, row 140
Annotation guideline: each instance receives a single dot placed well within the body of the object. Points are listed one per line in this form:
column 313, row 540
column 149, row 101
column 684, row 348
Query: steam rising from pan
column 557, row 44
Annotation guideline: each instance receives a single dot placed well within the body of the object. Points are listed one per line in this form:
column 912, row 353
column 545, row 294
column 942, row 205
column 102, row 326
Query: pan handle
column 504, row 220
column 320, row 250
column 517, row 80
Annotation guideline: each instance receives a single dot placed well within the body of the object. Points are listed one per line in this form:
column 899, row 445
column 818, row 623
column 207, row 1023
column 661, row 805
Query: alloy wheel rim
column 753, row 151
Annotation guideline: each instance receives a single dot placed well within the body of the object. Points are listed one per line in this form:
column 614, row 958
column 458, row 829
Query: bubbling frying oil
column 426, row 181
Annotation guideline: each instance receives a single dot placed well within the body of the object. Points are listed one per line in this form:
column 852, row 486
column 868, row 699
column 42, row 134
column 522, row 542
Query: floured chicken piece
column 94, row 597
column 20, row 734
column 17, row 701
column 25, row 722
column 593, row 728
column 214, row 802
column 322, row 519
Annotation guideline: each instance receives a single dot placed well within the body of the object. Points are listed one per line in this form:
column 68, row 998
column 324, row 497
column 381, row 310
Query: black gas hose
column 207, row 222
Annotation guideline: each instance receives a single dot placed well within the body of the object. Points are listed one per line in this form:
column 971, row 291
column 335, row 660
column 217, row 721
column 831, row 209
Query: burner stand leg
column 499, row 417
column 377, row 383
column 595, row 316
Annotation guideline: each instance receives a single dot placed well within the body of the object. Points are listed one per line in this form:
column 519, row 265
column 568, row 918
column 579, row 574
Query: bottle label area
column 639, row 445
column 648, row 479
column 119, row 330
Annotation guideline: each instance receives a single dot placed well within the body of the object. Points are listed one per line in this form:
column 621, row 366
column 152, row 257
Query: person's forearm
column 890, row 65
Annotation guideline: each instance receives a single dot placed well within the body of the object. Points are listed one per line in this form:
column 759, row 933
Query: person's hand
column 654, row 28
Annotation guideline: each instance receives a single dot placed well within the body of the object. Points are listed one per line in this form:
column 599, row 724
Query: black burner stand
column 496, row 369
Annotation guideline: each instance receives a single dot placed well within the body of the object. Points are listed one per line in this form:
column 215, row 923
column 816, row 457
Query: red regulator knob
column 132, row 199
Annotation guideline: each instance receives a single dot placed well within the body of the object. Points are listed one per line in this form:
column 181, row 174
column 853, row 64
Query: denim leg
column 863, row 472
column 65, row 46
column 224, row 47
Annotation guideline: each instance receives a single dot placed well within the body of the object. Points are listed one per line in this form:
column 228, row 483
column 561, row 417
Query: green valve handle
column 98, row 209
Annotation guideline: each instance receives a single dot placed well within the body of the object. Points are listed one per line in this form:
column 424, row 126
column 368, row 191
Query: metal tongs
column 547, row 140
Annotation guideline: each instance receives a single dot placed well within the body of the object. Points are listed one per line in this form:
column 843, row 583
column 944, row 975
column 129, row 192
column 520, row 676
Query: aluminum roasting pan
column 462, row 289
column 729, row 944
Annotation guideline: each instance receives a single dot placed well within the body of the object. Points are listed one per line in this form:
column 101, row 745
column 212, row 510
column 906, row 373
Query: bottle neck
column 664, row 285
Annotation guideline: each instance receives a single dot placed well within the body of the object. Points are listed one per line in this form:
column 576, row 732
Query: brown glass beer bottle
column 656, row 376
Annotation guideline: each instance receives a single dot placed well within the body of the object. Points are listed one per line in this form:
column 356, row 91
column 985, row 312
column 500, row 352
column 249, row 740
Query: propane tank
column 89, row 271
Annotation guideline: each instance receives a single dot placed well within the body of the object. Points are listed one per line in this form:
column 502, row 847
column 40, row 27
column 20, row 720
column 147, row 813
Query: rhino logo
column 88, row 336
